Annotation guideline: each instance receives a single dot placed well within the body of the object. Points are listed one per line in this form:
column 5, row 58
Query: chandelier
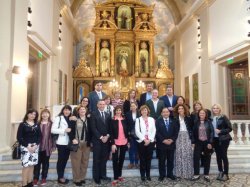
column 140, row 85
column 113, row 84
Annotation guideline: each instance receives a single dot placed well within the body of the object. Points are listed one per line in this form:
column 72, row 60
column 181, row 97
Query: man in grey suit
column 95, row 96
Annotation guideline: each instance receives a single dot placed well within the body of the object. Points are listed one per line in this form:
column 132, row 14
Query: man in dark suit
column 147, row 95
column 95, row 96
column 170, row 100
column 166, row 134
column 155, row 105
column 100, row 121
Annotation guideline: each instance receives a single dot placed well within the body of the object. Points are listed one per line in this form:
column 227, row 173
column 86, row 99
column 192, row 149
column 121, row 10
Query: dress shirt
column 148, row 96
column 155, row 104
column 170, row 98
column 99, row 94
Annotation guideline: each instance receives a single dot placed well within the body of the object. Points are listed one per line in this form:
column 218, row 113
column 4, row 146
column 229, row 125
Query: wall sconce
column 25, row 72
column 113, row 84
column 140, row 85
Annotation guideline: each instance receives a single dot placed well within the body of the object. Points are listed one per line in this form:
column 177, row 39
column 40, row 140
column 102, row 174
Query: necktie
column 103, row 118
column 167, row 124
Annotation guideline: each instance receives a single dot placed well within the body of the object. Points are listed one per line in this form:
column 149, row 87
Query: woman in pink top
column 119, row 141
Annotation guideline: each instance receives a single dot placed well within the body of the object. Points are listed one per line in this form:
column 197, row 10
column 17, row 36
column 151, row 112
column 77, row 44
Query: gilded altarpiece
column 124, row 49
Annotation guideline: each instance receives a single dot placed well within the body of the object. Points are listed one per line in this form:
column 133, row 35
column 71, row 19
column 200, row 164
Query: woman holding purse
column 119, row 141
column 28, row 136
column 145, row 130
column 80, row 134
column 222, row 138
column 61, row 127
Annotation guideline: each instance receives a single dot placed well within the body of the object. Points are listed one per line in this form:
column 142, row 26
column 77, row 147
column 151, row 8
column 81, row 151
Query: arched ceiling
column 167, row 14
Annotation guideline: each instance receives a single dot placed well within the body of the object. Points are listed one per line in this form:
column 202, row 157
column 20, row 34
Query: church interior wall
column 228, row 24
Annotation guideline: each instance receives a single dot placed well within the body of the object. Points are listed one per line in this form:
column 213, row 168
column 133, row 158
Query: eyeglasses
column 85, row 100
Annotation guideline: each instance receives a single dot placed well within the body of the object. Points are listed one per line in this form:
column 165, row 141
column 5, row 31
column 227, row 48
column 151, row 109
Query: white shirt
column 170, row 98
column 183, row 126
column 155, row 104
column 99, row 94
column 134, row 116
column 214, row 122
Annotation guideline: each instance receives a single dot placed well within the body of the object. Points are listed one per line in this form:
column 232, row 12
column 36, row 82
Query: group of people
column 112, row 126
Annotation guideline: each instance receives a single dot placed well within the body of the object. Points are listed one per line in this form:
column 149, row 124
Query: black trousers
column 100, row 157
column 118, row 160
column 43, row 160
column 145, row 155
column 63, row 156
column 163, row 155
column 221, row 154
column 200, row 148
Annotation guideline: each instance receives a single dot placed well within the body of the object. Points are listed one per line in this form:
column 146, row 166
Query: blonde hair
column 216, row 105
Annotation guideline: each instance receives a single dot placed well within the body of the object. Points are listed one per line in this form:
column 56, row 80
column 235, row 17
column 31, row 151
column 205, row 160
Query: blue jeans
column 133, row 151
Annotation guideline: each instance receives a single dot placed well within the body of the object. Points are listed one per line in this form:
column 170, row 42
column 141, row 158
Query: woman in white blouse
column 184, row 153
column 61, row 126
column 145, row 131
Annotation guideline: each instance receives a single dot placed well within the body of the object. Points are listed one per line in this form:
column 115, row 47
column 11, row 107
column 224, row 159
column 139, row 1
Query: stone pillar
column 151, row 57
column 112, row 68
column 97, row 61
column 137, row 65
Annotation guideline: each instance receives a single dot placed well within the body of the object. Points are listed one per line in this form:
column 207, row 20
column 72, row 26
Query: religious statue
column 143, row 56
column 124, row 17
column 105, row 59
column 162, row 59
column 123, row 58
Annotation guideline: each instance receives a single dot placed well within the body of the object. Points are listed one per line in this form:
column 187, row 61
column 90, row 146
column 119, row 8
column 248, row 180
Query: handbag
column 55, row 136
column 73, row 147
column 225, row 137
column 16, row 151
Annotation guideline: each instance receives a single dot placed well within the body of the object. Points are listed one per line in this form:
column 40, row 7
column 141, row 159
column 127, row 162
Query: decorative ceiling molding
column 75, row 6
column 173, row 8
column 194, row 12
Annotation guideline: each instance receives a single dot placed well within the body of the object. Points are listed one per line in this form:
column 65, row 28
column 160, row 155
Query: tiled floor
column 236, row 180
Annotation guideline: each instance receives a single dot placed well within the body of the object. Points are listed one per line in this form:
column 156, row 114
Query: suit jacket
column 73, row 135
column 162, row 133
column 99, row 127
column 167, row 102
column 114, row 130
column 93, row 99
column 130, row 121
column 143, row 98
column 160, row 106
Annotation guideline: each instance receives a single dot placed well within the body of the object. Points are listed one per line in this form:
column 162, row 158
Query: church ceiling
column 167, row 14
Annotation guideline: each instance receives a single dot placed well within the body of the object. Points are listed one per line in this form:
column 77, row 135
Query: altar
column 124, row 51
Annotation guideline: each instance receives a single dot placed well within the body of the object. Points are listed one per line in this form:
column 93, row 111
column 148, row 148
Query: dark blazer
column 224, row 125
column 162, row 133
column 160, row 106
column 126, row 106
column 93, row 99
column 73, row 135
column 189, row 124
column 143, row 98
column 114, row 129
column 209, row 132
column 130, row 121
column 167, row 102
column 98, row 127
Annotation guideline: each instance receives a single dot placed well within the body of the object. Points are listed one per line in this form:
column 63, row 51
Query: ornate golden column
column 97, row 62
column 151, row 57
column 137, row 66
column 112, row 68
